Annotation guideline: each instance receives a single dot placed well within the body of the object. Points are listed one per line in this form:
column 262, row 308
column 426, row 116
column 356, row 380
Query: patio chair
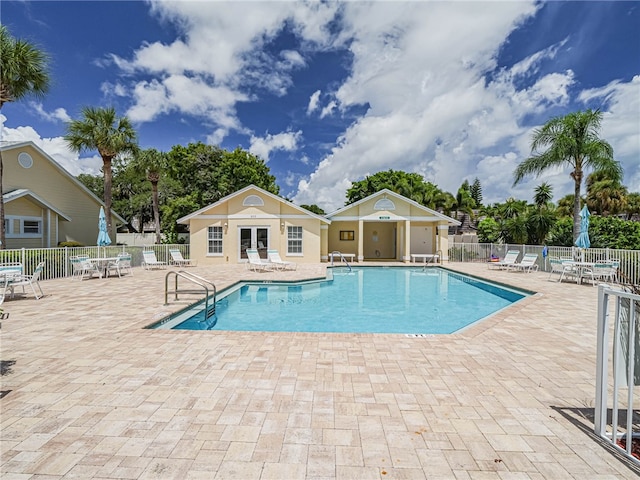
column 83, row 267
column 563, row 268
column 32, row 281
column 179, row 260
column 120, row 265
column 509, row 259
column 256, row 263
column 149, row 260
column 527, row 264
column 605, row 271
column 274, row 257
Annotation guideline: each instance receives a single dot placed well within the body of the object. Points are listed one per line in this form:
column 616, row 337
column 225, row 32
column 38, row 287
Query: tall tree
column 476, row 192
column 100, row 129
column 152, row 163
column 605, row 196
column 23, row 72
column 572, row 140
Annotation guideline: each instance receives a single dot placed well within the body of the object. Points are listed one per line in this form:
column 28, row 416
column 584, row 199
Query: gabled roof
column 23, row 192
column 387, row 192
column 60, row 168
column 195, row 214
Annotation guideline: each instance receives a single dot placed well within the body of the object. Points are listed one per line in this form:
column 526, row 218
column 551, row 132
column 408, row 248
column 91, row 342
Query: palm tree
column 570, row 140
column 152, row 163
column 101, row 130
column 23, row 72
column 605, row 196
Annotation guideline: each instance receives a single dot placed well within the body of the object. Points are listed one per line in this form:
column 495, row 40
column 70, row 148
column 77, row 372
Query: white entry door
column 421, row 240
column 253, row 237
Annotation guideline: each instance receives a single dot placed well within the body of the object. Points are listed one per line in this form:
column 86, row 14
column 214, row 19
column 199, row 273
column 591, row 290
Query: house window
column 294, row 240
column 31, row 227
column 215, row 240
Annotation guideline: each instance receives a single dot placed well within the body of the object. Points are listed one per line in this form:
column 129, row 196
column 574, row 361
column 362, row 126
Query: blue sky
column 327, row 93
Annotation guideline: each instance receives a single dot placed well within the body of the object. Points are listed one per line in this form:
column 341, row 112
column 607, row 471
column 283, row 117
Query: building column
column 406, row 254
column 443, row 241
column 360, row 251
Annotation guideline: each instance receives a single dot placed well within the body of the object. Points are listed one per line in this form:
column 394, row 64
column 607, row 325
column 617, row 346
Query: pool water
column 365, row 300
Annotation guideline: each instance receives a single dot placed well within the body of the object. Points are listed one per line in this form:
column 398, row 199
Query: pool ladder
column 209, row 309
column 342, row 259
column 432, row 260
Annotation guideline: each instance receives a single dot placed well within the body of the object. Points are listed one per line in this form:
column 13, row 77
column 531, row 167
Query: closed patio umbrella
column 103, row 234
column 583, row 241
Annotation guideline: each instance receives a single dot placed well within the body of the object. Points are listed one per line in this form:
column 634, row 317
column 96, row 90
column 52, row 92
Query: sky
column 327, row 93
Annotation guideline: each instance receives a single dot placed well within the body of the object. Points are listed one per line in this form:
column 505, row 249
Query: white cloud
column 215, row 62
column 429, row 111
column 58, row 115
column 620, row 103
column 286, row 141
column 313, row 102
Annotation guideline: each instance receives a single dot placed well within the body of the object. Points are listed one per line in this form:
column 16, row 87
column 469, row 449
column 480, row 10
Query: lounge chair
column 179, row 260
column 527, row 264
column 120, row 265
column 274, row 257
column 149, row 260
column 256, row 263
column 563, row 268
column 83, row 267
column 32, row 281
column 509, row 259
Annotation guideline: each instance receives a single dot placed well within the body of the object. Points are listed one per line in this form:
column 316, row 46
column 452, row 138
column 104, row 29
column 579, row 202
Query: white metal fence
column 481, row 252
column 58, row 265
column 618, row 356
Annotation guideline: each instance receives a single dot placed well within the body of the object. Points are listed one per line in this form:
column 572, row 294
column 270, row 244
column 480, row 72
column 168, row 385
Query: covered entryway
column 379, row 242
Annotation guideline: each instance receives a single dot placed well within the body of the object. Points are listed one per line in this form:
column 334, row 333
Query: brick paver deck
column 89, row 394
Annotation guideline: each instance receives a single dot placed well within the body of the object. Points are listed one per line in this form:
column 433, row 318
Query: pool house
column 382, row 227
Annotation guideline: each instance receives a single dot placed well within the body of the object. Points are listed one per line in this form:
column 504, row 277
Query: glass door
column 255, row 238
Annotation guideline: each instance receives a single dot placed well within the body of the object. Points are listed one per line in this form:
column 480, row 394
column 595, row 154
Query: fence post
column 600, row 413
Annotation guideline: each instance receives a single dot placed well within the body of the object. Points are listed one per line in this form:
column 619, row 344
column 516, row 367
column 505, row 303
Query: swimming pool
column 364, row 300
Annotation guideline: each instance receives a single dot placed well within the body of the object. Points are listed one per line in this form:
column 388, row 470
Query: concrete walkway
column 89, row 394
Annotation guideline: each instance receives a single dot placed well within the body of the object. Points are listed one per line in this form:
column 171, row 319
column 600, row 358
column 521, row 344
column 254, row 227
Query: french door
column 253, row 237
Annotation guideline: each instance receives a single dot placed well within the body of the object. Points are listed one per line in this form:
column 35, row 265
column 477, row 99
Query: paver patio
column 92, row 395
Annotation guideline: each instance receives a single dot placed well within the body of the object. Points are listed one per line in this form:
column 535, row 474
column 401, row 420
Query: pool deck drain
column 93, row 395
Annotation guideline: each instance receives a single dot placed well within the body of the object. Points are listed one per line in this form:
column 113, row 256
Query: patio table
column 103, row 263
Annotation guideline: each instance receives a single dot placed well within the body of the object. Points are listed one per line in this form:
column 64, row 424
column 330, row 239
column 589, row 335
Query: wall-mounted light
column 226, row 226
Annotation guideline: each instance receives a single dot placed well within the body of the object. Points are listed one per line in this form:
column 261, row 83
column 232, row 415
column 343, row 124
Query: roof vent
column 25, row 160
column 384, row 204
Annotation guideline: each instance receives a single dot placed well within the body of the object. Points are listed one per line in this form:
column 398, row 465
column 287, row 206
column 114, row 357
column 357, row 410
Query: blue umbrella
column 103, row 235
column 583, row 238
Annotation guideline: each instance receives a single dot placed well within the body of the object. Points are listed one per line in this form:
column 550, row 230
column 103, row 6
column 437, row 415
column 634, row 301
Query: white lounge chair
column 120, row 265
column 527, row 264
column 83, row 267
column 179, row 260
column 32, row 281
column 256, row 263
column 509, row 259
column 149, row 260
column 563, row 268
column 274, row 257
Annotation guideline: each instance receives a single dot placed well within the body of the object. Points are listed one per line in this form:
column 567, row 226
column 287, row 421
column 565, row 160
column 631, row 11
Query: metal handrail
column 336, row 252
column 198, row 280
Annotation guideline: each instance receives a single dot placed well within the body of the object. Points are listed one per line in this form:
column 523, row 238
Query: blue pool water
column 366, row 300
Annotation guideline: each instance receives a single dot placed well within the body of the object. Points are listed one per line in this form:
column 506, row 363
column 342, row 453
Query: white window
column 214, row 240
column 23, row 227
column 31, row 227
column 294, row 240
